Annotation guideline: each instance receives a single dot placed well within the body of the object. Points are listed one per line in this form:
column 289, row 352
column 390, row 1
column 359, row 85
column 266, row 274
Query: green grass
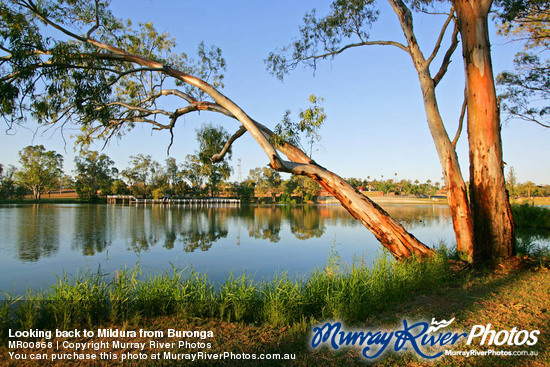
column 514, row 294
column 346, row 292
column 531, row 216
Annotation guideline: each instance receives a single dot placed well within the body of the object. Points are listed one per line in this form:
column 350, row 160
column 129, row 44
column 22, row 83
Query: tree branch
column 218, row 157
column 352, row 45
column 447, row 58
column 96, row 25
column 460, row 121
column 440, row 38
column 140, row 109
column 29, row 4
column 167, row 92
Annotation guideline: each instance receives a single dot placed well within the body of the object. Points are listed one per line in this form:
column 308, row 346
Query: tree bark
column 457, row 196
column 391, row 234
column 456, row 188
column 491, row 213
column 400, row 243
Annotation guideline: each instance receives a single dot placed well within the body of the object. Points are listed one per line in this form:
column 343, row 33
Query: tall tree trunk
column 456, row 188
column 492, row 217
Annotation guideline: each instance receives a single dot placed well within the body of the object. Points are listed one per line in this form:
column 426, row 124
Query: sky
column 376, row 125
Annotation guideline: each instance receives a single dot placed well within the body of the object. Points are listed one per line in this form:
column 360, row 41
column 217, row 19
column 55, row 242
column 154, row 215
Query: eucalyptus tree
column 483, row 224
column 212, row 140
column 172, row 171
column 526, row 90
column 40, row 169
column 73, row 61
column 8, row 186
column 94, row 172
column 141, row 174
column 192, row 171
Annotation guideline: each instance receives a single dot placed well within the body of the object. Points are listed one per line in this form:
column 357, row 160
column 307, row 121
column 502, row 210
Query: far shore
column 55, row 198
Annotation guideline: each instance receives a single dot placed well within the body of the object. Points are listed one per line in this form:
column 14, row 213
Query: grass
column 514, row 294
column 531, row 216
column 349, row 293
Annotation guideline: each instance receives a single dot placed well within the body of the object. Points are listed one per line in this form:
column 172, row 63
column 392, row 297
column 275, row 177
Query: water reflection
column 94, row 229
column 200, row 229
column 91, row 236
column 307, row 222
column 263, row 222
column 535, row 236
column 38, row 232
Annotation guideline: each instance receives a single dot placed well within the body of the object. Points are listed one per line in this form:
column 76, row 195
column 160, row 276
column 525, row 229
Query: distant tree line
column 95, row 176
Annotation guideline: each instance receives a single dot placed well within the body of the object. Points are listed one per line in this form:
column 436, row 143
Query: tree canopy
column 211, row 141
column 73, row 61
column 71, row 77
column 526, row 90
column 94, row 172
column 40, row 169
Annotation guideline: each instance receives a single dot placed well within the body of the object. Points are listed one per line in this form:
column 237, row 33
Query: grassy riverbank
column 516, row 294
column 335, row 292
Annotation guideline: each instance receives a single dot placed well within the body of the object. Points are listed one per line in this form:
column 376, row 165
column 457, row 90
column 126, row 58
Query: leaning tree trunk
column 492, row 217
column 388, row 231
column 391, row 234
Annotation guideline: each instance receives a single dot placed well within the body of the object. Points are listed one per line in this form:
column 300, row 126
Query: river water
column 39, row 242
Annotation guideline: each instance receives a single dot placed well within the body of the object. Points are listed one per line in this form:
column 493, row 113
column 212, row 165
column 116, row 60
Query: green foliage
column 511, row 10
column 8, row 186
column 245, row 192
column 51, row 70
column 193, row 171
column 304, row 133
column 142, row 174
column 321, row 38
column 40, row 169
column 94, row 172
column 211, row 141
column 530, row 216
column 527, row 247
column 265, row 182
column 526, row 90
column 401, row 187
column 511, row 182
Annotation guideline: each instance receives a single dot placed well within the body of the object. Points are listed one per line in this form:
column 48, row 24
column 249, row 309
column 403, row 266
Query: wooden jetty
column 130, row 199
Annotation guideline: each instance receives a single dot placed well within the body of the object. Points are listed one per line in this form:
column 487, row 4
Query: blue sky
column 376, row 123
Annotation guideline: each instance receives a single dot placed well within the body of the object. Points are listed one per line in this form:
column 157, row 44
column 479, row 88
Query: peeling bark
column 492, row 217
column 387, row 230
column 456, row 187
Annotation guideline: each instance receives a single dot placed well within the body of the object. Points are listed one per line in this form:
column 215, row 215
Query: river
column 39, row 242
